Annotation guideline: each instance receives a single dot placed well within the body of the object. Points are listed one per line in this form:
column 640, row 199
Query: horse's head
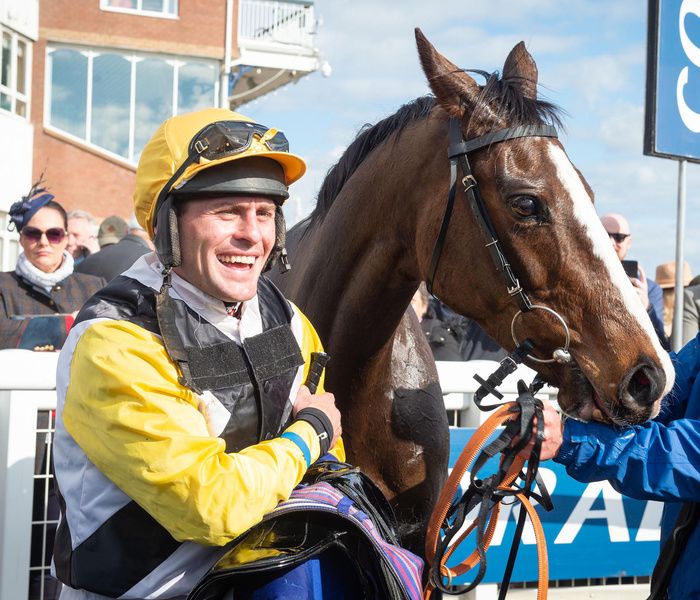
column 542, row 212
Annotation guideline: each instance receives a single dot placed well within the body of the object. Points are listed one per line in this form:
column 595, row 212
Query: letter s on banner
column 690, row 118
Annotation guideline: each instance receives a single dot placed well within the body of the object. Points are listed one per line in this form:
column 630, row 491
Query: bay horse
column 360, row 256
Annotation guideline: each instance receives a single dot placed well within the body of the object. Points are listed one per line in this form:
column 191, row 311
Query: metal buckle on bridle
column 516, row 289
column 468, row 181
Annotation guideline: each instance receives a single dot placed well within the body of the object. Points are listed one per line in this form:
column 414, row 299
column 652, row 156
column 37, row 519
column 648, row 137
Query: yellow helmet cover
column 168, row 150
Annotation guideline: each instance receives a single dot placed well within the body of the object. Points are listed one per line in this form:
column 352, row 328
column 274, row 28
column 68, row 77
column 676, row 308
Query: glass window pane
column 195, row 87
column 111, row 82
column 5, row 102
column 21, row 108
column 21, row 66
column 122, row 3
column 68, row 91
column 154, row 99
column 154, row 5
column 6, row 59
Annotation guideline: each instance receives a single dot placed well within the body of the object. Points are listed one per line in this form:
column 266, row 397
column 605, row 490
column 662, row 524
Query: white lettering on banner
column 613, row 512
column 690, row 118
column 550, row 482
column 650, row 526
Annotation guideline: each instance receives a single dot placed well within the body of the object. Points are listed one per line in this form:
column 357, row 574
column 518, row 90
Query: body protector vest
column 252, row 381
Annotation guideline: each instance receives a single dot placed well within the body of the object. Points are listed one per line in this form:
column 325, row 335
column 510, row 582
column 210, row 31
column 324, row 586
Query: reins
column 446, row 530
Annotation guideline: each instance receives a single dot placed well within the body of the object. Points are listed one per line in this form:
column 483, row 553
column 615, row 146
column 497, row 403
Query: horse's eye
column 524, row 206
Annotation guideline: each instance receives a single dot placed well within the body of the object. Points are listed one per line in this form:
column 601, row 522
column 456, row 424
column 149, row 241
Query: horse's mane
column 368, row 139
column 501, row 97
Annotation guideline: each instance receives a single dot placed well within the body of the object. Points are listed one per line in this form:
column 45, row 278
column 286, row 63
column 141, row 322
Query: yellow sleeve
column 312, row 343
column 125, row 408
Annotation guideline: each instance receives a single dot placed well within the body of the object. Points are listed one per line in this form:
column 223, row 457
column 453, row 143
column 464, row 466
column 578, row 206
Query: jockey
column 182, row 419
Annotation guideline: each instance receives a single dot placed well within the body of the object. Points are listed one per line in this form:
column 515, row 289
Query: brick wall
column 79, row 176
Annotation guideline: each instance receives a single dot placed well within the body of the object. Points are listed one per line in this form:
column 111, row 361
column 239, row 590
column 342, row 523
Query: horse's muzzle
column 641, row 388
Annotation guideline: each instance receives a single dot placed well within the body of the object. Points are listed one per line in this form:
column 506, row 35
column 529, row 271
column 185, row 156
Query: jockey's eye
column 524, row 207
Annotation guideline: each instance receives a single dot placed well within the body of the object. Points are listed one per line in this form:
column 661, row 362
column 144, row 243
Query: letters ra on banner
column 672, row 122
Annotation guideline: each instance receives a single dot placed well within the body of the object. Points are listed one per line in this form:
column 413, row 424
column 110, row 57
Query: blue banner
column 592, row 532
column 673, row 80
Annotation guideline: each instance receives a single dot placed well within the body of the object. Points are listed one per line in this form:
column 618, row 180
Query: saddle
column 336, row 534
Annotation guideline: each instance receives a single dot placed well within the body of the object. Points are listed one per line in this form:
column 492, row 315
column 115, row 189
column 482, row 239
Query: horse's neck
column 366, row 257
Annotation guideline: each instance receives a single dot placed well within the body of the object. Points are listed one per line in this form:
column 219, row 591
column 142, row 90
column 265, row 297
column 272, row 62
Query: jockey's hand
column 642, row 288
column 553, row 427
column 324, row 402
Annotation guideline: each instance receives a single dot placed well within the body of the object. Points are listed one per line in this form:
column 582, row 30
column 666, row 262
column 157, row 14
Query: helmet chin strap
column 278, row 250
column 167, row 237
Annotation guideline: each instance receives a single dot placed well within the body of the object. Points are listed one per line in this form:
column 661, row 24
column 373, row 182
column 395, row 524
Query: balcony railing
column 269, row 22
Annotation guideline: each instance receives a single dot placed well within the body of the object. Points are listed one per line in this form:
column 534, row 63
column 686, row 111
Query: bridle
column 458, row 152
column 518, row 417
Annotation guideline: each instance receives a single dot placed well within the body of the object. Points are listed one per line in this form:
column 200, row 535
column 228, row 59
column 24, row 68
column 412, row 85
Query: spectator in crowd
column 659, row 460
column 666, row 279
column 39, row 298
column 649, row 292
column 442, row 339
column 691, row 312
column 452, row 336
column 111, row 231
column 117, row 253
column 181, row 418
column 82, row 235
column 474, row 342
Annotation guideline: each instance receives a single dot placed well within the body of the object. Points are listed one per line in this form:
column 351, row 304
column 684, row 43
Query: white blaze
column 602, row 248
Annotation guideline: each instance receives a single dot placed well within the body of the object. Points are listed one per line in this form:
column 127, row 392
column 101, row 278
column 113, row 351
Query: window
column 150, row 8
column 115, row 101
column 9, row 244
column 14, row 73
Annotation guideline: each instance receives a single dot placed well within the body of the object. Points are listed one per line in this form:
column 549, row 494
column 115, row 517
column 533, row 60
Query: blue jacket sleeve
column 656, row 299
column 659, row 460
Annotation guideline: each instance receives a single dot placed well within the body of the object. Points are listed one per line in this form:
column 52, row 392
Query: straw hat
column 666, row 274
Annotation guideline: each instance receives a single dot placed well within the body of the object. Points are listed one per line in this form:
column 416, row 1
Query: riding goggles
column 55, row 235
column 226, row 138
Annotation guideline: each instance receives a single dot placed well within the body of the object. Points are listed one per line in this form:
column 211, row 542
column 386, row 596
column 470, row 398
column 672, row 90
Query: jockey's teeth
column 248, row 260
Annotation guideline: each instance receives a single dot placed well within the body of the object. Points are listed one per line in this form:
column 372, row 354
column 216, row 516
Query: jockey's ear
column 520, row 70
column 454, row 89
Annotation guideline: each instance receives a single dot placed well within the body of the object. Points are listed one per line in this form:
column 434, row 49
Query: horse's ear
column 451, row 85
column 520, row 69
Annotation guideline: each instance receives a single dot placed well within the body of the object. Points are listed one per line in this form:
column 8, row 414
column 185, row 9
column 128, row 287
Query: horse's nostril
column 643, row 385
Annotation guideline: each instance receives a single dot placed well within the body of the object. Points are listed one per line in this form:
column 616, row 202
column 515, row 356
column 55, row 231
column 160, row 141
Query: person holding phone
column 649, row 292
column 39, row 299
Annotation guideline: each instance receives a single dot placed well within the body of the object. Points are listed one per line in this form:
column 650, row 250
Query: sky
column 591, row 57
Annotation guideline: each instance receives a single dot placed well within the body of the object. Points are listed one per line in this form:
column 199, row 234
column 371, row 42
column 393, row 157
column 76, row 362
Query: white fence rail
column 289, row 23
column 27, row 403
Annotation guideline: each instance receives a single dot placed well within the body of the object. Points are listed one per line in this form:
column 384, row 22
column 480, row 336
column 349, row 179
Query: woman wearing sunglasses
column 39, row 299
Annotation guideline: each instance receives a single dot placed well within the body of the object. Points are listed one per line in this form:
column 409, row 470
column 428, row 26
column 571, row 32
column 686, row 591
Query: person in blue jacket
column 659, row 460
